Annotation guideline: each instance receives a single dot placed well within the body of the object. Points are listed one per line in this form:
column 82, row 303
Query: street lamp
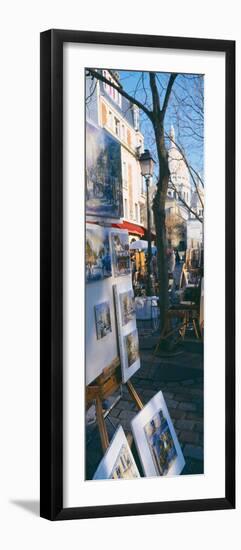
column 147, row 165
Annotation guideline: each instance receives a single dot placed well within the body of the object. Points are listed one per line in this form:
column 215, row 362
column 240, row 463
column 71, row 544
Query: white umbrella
column 139, row 245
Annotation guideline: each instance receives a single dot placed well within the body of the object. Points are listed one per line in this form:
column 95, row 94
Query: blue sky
column 185, row 110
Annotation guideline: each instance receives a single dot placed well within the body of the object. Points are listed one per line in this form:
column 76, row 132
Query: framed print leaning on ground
column 137, row 274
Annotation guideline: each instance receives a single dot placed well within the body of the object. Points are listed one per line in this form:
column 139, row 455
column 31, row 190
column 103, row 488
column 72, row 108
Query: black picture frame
column 51, row 323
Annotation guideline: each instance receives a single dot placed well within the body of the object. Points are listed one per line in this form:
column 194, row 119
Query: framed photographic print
column 156, row 439
column 118, row 462
column 137, row 201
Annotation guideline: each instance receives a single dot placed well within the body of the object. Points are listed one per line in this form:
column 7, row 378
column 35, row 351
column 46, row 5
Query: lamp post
column 147, row 164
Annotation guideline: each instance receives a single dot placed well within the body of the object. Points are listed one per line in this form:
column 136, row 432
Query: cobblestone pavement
column 180, row 377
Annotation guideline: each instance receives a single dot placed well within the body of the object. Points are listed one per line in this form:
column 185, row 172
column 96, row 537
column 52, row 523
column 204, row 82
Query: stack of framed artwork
column 156, row 442
column 109, row 296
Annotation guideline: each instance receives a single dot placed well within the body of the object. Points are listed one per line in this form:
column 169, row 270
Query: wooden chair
column 187, row 313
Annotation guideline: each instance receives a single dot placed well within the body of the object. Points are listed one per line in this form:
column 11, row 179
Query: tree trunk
column 159, row 212
column 159, row 217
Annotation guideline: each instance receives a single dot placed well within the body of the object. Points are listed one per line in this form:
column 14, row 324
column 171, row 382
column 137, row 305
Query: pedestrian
column 171, row 260
column 133, row 269
column 177, row 257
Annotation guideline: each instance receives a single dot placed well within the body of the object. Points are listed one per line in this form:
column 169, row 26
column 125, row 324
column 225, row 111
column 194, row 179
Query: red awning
column 131, row 227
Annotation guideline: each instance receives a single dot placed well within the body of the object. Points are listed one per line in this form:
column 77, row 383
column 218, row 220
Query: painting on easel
column 120, row 253
column 132, row 347
column 97, row 254
column 126, row 328
column 103, row 320
column 103, row 174
column 127, row 304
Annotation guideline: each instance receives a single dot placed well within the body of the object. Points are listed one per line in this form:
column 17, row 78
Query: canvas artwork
column 127, row 304
column 120, row 253
column 156, row 440
column 160, row 442
column 118, row 461
column 126, row 327
column 97, row 254
column 102, row 319
column 132, row 347
column 103, row 174
column 124, row 467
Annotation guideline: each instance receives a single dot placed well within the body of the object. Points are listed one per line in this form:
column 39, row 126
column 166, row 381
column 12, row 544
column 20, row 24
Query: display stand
column 103, row 387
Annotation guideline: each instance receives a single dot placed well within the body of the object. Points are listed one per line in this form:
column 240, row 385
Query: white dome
column 179, row 174
column 177, row 166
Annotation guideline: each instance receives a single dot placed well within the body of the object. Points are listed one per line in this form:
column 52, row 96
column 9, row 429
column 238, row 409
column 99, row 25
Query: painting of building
column 103, row 174
column 120, row 253
column 102, row 320
column 118, row 461
column 132, row 347
column 161, row 443
column 127, row 305
column 124, row 467
column 97, row 254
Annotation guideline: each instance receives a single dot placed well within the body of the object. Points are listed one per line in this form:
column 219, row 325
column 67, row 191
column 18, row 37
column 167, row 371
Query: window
column 123, row 132
column 117, row 127
column 136, row 211
column 110, row 119
column 116, row 94
column 112, row 92
column 128, row 137
column 124, row 174
column 125, row 208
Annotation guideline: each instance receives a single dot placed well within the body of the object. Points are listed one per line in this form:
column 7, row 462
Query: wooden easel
column 103, row 386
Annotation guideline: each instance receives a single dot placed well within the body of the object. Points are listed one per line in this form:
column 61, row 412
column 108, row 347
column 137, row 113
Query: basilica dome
column 179, row 174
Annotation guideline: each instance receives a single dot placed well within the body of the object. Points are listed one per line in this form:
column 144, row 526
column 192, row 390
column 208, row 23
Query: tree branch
column 155, row 94
column 184, row 202
column 168, row 92
column 99, row 76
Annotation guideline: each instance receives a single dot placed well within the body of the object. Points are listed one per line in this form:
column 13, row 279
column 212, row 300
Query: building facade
column 107, row 108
